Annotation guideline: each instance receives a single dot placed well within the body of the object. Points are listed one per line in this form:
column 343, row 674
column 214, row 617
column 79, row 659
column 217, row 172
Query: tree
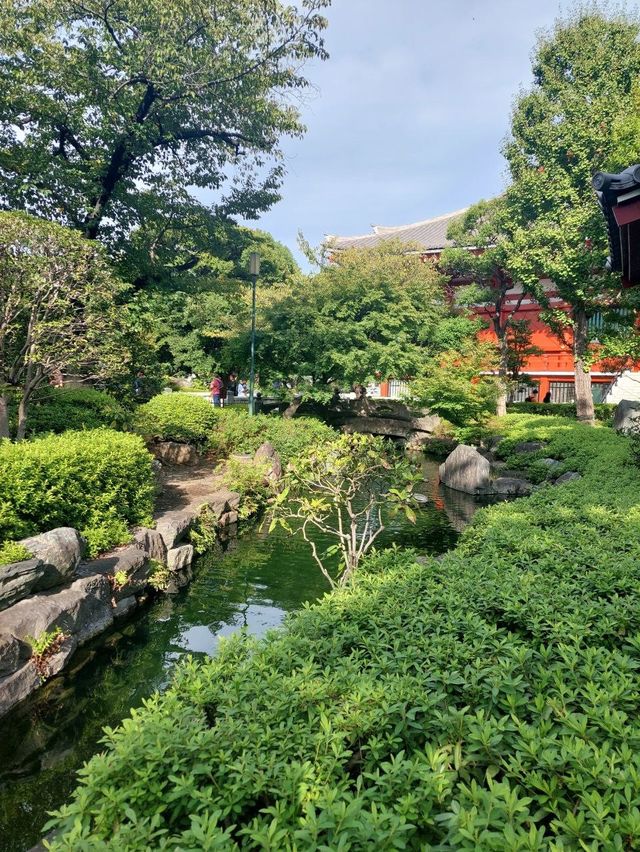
column 109, row 107
column 58, row 311
column 489, row 288
column 340, row 490
column 584, row 72
column 460, row 384
column 369, row 313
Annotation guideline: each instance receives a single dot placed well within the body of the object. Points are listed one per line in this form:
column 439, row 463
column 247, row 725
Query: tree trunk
column 22, row 419
column 584, row 397
column 5, row 432
column 503, row 373
column 293, row 406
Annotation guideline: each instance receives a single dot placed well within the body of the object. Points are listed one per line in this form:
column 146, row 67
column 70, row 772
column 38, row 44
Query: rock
column 180, row 557
column 174, row 453
column 56, row 662
column 152, row 543
column 493, row 441
column 18, row 686
column 626, row 418
column 550, row 462
column 223, row 501
column 131, row 561
column 228, row 519
column 569, row 476
column 178, row 580
column 82, row 609
column 173, row 526
column 466, row 470
column 18, row 580
column 510, row 486
column 529, row 446
column 428, row 423
column 420, row 498
column 124, row 606
column 266, row 454
column 13, row 654
column 60, row 551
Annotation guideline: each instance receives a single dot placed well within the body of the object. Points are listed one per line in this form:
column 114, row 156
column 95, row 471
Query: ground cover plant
column 98, row 481
column 487, row 700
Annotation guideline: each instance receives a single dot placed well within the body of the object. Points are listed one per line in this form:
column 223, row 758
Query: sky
column 406, row 118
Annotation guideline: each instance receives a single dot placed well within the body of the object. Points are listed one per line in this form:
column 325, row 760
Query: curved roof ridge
column 385, row 229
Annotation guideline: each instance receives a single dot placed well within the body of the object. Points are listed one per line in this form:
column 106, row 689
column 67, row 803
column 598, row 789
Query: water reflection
column 253, row 586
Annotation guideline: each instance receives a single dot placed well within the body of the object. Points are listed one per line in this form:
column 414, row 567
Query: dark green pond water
column 253, row 585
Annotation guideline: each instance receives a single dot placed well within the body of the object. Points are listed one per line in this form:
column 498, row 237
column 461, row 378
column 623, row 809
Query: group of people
column 220, row 389
column 533, row 394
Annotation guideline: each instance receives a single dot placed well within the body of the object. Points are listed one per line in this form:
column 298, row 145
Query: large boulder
column 19, row 579
column 174, row 525
column 466, row 470
column 17, row 686
column 172, row 452
column 13, row 654
column 223, row 501
column 626, row 418
column 569, row 476
column 152, row 543
column 429, row 423
column 511, row 486
column 180, row 557
column 266, row 454
column 130, row 562
column 55, row 556
column 82, row 609
column 529, row 446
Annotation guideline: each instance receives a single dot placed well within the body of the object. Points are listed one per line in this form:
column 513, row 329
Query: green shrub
column 485, row 701
column 238, row 432
column 248, row 480
column 604, row 410
column 176, row 417
column 57, row 410
column 98, row 481
column 13, row 551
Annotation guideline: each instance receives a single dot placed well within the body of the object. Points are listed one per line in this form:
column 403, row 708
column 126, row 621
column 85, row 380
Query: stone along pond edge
column 55, row 601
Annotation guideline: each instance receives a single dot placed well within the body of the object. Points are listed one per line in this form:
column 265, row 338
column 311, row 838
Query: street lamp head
column 254, row 263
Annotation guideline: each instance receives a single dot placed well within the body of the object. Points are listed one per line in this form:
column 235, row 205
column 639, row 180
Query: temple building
column 552, row 371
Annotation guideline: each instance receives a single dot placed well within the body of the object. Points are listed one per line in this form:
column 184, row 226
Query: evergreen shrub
column 487, row 700
column 59, row 409
column 237, row 432
column 603, row 410
column 98, row 481
column 178, row 417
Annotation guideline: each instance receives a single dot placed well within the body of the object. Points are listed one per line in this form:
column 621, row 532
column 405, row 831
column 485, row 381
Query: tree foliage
column 339, row 489
column 584, row 72
column 109, row 107
column 58, row 311
column 369, row 313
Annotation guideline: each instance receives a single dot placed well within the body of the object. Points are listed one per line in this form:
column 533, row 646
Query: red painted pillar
column 543, row 387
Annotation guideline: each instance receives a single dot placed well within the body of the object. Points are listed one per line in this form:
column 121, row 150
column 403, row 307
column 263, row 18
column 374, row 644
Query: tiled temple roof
column 430, row 234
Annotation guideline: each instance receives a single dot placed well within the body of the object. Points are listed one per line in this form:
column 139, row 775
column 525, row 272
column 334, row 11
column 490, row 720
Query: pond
column 253, row 585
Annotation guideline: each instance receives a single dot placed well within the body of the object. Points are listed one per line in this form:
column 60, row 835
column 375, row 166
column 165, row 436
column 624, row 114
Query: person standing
column 216, row 390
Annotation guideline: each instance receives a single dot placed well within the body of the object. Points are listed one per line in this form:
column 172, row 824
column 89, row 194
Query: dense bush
column 604, row 410
column 57, row 410
column 176, row 417
column 237, row 432
column 486, row 701
column 98, row 481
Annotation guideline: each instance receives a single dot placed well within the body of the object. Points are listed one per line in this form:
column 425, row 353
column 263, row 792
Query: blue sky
column 407, row 116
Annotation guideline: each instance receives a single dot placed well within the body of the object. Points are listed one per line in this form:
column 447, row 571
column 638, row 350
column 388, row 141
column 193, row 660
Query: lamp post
column 254, row 271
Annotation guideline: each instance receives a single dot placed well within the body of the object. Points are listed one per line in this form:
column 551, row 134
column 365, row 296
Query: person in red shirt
column 216, row 388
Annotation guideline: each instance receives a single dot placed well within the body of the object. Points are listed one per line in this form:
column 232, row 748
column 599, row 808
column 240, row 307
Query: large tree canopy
column 102, row 98
column 374, row 312
column 584, row 72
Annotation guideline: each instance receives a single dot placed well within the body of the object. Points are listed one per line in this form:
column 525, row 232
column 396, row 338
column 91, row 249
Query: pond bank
column 252, row 582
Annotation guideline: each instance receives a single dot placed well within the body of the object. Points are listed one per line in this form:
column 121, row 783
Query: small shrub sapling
column 340, row 489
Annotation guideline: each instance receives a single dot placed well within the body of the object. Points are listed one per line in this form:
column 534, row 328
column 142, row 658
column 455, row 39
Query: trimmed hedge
column 237, row 432
column 490, row 700
column 98, row 481
column 603, row 410
column 59, row 410
column 176, row 417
